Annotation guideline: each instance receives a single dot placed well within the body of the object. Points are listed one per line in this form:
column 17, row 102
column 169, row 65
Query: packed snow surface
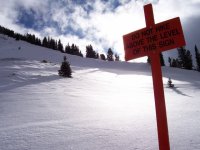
column 105, row 106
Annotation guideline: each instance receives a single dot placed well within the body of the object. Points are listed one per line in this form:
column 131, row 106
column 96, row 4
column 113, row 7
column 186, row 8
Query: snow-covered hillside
column 105, row 106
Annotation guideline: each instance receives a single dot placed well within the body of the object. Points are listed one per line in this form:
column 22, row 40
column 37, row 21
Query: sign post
column 151, row 41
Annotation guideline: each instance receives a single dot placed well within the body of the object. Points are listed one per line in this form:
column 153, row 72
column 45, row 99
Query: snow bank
column 105, row 106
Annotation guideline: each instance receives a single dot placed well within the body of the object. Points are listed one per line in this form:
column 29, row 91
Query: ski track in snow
column 105, row 106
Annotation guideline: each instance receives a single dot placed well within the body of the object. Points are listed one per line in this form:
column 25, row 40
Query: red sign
column 150, row 41
column 159, row 37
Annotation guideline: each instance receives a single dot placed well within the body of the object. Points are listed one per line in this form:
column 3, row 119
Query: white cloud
column 102, row 26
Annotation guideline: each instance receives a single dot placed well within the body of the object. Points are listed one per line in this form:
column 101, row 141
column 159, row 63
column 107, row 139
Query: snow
column 105, row 106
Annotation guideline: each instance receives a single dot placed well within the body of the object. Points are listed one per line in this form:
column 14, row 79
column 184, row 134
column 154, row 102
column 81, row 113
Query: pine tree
column 60, row 46
column 80, row 54
column 197, row 55
column 56, row 45
column 44, row 42
column 170, row 83
column 162, row 62
column 90, row 53
column 17, row 37
column 48, row 42
column 174, row 63
column 178, row 63
column 38, row 41
column 65, row 69
column 67, row 49
column 52, row 44
column 170, row 61
column 188, row 64
column 97, row 55
column 116, row 57
column 184, row 58
column 148, row 60
column 75, row 50
column 103, row 57
column 110, row 55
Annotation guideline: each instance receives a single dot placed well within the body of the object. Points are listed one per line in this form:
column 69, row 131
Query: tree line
column 162, row 61
column 90, row 53
column 51, row 43
column 185, row 60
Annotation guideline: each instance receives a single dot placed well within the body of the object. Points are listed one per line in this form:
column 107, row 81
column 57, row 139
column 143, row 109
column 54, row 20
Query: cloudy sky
column 101, row 23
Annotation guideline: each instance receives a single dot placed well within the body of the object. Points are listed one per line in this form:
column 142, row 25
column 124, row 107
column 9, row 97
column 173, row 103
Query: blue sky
column 101, row 23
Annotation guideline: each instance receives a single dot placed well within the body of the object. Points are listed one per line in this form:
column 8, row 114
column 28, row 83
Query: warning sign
column 160, row 37
column 150, row 41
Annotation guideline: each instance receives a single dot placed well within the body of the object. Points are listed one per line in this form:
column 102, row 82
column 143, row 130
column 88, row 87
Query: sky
column 101, row 23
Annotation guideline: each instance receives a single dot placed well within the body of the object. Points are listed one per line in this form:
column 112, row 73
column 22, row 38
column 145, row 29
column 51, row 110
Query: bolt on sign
column 151, row 41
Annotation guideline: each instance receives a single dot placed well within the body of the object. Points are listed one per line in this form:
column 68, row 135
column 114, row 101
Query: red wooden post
column 161, row 116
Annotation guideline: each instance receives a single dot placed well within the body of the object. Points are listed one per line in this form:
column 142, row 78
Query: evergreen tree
column 17, row 37
column 162, row 62
column 6, row 31
column 197, row 55
column 188, row 64
column 80, row 54
column 38, row 42
column 74, row 50
column 97, row 55
column 110, row 55
column 65, row 69
column 148, row 60
column 48, row 42
column 178, row 63
column 170, row 61
column 52, row 44
column 67, row 49
column 184, row 58
column 116, row 57
column 90, row 53
column 170, row 83
column 103, row 57
column 44, row 42
column 71, row 49
column 174, row 63
column 60, row 46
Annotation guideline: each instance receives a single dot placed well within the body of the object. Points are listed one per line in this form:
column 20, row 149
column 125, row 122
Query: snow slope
column 105, row 106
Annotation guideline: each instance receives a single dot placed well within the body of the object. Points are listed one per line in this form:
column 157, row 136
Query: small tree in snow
column 65, row 69
column 116, row 57
column 170, row 83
